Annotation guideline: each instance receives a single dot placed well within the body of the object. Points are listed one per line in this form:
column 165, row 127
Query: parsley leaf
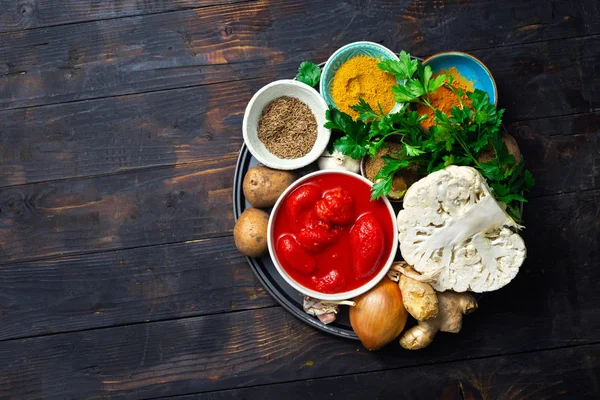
column 309, row 73
column 424, row 73
column 365, row 111
column 350, row 146
column 436, row 83
column 408, row 92
column 385, row 176
column 528, row 180
column 355, row 141
column 412, row 150
column 402, row 69
column 417, row 81
column 381, row 187
column 490, row 170
column 463, row 137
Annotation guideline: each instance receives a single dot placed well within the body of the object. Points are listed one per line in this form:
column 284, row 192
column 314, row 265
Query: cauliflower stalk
column 457, row 235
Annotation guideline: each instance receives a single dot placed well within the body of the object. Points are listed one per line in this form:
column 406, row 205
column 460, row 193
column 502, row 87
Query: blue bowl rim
column 467, row 55
column 341, row 49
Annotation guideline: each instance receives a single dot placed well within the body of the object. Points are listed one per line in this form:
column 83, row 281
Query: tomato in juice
column 320, row 215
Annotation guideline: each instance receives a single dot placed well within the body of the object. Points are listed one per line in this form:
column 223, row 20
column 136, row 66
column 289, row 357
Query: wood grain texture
column 158, row 206
column 270, row 38
column 121, row 122
column 563, row 153
column 565, row 373
column 203, row 123
column 178, row 203
column 531, row 19
column 552, row 303
column 43, row 13
column 546, row 79
column 128, row 286
column 123, row 133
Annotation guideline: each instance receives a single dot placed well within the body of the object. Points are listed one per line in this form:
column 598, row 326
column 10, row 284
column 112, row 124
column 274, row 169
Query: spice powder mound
column 287, row 128
column 360, row 77
column 443, row 99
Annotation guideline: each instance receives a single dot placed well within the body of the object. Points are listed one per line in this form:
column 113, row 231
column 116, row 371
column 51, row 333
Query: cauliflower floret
column 455, row 234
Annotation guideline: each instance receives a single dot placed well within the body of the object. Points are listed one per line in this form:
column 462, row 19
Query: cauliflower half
column 456, row 235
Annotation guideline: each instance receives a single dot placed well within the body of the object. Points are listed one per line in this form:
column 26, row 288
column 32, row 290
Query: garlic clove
column 338, row 161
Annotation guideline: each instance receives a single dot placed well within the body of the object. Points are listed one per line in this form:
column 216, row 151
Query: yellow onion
column 379, row 315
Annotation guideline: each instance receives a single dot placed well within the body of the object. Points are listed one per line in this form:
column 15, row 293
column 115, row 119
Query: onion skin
column 379, row 315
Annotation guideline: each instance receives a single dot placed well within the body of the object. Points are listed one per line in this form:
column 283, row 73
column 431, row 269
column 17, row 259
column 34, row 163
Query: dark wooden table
column 121, row 125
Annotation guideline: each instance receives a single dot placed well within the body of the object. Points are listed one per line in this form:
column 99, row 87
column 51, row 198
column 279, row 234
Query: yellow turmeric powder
column 360, row 77
column 443, row 99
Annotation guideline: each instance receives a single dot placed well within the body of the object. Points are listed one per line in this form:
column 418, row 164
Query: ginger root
column 451, row 308
column 419, row 298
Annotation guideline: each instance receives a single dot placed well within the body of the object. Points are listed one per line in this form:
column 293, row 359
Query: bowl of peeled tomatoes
column 328, row 239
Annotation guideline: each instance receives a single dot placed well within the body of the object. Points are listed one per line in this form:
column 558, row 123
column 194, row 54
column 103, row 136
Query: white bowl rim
column 329, row 296
column 317, row 150
column 394, row 109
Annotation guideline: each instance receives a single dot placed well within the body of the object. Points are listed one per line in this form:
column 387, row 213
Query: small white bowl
column 329, row 296
column 290, row 88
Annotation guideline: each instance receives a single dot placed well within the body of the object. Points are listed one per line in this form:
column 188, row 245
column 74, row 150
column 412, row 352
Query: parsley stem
column 426, row 103
column 466, row 149
column 455, row 91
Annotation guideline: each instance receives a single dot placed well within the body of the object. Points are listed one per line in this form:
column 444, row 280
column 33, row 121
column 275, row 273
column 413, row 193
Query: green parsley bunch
column 455, row 139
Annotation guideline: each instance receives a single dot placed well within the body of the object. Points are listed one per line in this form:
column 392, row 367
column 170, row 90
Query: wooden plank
column 185, row 125
column 95, row 220
column 158, row 206
column 546, row 79
column 127, row 286
column 552, row 303
column 566, row 373
column 192, row 201
column 563, row 153
column 529, row 19
column 43, row 13
column 123, row 133
column 254, row 39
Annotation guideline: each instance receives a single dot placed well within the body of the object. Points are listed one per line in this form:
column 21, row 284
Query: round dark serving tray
column 268, row 276
column 265, row 271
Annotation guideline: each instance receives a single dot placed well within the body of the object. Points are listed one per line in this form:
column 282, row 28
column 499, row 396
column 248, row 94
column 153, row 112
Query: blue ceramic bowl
column 343, row 54
column 469, row 67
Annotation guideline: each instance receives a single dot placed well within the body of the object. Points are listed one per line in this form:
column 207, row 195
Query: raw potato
column 250, row 232
column 263, row 186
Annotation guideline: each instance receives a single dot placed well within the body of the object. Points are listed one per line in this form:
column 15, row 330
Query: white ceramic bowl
column 328, row 296
column 291, row 88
